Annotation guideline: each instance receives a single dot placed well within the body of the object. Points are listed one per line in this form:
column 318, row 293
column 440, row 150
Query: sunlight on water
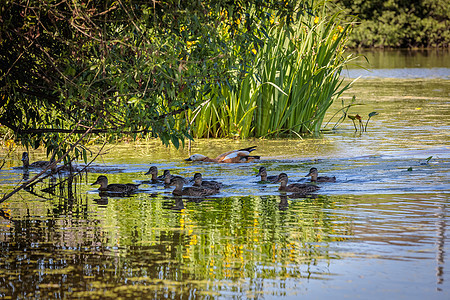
column 378, row 231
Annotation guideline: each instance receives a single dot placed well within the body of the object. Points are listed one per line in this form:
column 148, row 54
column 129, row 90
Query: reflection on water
column 400, row 64
column 230, row 247
column 379, row 231
column 443, row 73
column 404, row 58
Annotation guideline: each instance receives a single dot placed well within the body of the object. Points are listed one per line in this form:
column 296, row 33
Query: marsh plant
column 284, row 83
column 354, row 118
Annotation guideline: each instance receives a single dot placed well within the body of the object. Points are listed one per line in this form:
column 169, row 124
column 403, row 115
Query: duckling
column 316, row 178
column 194, row 191
column 115, row 187
column 37, row 164
column 302, row 188
column 198, row 181
column 169, row 177
column 154, row 172
column 263, row 173
column 234, row 156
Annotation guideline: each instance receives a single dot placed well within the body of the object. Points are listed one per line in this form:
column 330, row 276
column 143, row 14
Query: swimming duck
column 263, row 173
column 194, row 191
column 235, row 156
column 302, row 188
column 37, row 164
column 169, row 177
column 198, row 181
column 154, row 172
column 316, row 178
column 115, row 187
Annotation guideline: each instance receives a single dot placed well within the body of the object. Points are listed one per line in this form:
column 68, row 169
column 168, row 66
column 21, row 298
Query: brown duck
column 301, row 188
column 316, row 178
column 193, row 191
column 154, row 172
column 263, row 173
column 37, row 164
column 169, row 177
column 198, row 181
column 115, row 187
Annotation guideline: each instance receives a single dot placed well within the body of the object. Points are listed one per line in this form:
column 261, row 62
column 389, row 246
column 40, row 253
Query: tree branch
column 18, row 130
column 29, row 182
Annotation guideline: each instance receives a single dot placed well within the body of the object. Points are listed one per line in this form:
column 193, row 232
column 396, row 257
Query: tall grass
column 293, row 80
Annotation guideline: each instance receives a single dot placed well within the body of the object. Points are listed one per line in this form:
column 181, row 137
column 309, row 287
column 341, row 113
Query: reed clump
column 282, row 84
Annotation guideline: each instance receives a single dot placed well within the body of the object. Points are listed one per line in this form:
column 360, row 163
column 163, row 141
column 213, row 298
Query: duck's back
column 122, row 188
column 302, row 188
column 196, row 191
column 39, row 164
column 326, row 179
column 211, row 184
column 272, row 178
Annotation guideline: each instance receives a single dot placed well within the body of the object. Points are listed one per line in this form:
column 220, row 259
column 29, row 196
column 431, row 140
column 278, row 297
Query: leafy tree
column 114, row 68
column 399, row 23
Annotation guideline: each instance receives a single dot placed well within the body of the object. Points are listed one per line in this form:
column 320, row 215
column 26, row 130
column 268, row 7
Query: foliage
column 112, row 68
column 397, row 23
column 285, row 83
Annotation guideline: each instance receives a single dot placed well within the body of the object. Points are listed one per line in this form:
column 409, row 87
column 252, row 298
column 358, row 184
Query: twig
column 29, row 182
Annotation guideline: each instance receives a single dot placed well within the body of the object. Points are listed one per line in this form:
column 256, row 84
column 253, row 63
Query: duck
column 234, row 156
column 154, row 172
column 194, row 191
column 198, row 181
column 37, row 164
column 169, row 177
column 115, row 187
column 300, row 188
column 316, row 178
column 263, row 173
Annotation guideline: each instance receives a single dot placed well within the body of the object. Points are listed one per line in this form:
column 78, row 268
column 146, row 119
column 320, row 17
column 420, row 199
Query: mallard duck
column 316, row 178
column 198, row 181
column 169, row 177
column 194, row 191
column 115, row 187
column 263, row 173
column 154, row 172
column 302, row 188
column 235, row 156
column 37, row 164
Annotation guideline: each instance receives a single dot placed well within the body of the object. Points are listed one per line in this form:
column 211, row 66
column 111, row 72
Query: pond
column 378, row 232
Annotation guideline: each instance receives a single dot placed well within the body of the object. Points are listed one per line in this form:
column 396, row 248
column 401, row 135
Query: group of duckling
column 200, row 187
column 203, row 188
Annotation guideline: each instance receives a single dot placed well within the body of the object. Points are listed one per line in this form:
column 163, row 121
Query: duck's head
column 196, row 157
column 153, row 171
column 198, row 177
column 262, row 171
column 25, row 156
column 177, row 182
column 282, row 178
column 102, row 180
column 312, row 172
column 166, row 173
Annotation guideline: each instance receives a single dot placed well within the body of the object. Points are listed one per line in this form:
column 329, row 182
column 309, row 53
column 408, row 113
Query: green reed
column 293, row 80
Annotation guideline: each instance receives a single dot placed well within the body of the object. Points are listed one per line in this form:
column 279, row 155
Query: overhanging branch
column 18, row 130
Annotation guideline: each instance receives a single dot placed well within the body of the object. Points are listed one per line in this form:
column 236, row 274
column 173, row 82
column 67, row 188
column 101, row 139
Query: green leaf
column 84, row 155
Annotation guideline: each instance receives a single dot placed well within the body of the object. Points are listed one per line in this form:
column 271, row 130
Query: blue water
column 402, row 73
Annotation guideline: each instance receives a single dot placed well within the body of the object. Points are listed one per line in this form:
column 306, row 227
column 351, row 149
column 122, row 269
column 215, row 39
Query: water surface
column 400, row 64
column 378, row 232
